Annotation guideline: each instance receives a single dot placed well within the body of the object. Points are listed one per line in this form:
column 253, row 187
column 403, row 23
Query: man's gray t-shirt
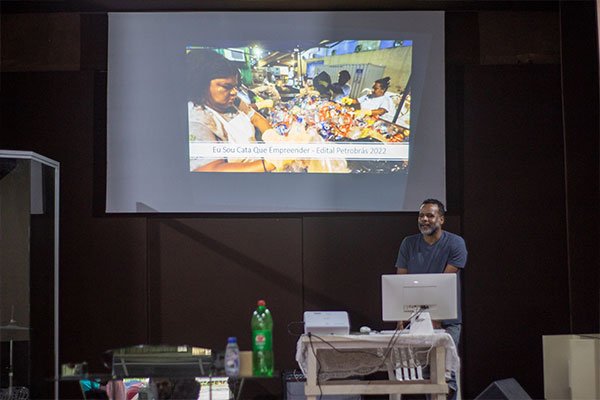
column 419, row 257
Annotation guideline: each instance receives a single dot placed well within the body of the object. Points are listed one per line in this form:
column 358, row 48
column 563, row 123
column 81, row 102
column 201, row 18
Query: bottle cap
column 262, row 303
column 232, row 339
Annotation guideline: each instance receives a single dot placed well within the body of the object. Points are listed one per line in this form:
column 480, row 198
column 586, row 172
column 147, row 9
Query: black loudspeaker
column 505, row 389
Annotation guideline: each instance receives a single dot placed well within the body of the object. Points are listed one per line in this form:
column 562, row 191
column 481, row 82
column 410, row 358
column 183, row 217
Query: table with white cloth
column 337, row 364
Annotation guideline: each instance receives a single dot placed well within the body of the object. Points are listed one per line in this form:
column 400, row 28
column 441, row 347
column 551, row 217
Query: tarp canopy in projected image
column 275, row 112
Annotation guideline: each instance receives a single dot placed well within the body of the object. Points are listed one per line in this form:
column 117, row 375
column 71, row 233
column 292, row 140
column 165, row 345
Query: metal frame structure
column 30, row 155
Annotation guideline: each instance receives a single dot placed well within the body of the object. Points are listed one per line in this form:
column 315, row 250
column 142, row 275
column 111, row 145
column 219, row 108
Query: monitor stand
column 421, row 324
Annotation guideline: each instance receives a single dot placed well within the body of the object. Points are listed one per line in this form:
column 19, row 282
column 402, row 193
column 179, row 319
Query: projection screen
column 243, row 112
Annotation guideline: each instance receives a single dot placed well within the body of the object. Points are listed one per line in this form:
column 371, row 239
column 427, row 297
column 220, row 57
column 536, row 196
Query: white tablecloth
column 342, row 356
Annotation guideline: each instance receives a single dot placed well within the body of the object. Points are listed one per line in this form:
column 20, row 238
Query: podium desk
column 329, row 363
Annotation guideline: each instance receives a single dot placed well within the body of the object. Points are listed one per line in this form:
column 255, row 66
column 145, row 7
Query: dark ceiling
column 10, row 6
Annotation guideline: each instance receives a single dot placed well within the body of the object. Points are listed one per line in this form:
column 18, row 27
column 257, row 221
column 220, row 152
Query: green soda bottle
column 262, row 341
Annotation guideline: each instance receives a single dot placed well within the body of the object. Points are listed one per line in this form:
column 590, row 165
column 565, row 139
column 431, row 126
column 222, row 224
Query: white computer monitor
column 404, row 294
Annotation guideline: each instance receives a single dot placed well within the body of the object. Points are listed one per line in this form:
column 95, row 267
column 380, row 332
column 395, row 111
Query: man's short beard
column 429, row 232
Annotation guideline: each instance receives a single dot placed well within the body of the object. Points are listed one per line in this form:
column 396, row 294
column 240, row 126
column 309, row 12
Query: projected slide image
column 300, row 107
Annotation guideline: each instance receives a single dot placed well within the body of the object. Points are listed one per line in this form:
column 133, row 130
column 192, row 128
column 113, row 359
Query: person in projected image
column 341, row 88
column 216, row 113
column 378, row 102
column 434, row 250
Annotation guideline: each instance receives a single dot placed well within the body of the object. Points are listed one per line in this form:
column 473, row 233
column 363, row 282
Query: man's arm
column 458, row 256
column 450, row 269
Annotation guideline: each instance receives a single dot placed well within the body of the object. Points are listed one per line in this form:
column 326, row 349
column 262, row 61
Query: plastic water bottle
column 232, row 358
column 262, row 341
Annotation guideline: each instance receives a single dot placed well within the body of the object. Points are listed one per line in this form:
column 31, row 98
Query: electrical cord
column 428, row 352
column 388, row 349
column 344, row 351
column 391, row 344
column 295, row 376
column 396, row 335
column 413, row 316
column 294, row 323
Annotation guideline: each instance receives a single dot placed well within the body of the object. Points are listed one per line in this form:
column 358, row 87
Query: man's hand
column 400, row 325
column 436, row 324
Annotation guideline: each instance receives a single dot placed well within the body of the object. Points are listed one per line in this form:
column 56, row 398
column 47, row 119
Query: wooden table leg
column 311, row 369
column 438, row 370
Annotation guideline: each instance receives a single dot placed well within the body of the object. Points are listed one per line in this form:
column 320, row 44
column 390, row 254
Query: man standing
column 434, row 251
column 341, row 88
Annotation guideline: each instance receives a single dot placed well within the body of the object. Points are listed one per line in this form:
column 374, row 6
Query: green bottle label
column 262, row 340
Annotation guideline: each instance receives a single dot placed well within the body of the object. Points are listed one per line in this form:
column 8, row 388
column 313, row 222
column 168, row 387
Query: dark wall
column 580, row 96
column 522, row 160
column 513, row 221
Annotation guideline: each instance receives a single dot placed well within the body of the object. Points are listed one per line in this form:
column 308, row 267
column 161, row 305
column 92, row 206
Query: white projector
column 326, row 322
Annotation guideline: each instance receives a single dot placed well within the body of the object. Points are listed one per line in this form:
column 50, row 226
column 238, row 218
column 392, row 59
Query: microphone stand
column 10, row 370
column 11, row 328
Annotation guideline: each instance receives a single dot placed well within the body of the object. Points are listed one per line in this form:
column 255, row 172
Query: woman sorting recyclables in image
column 216, row 113
column 378, row 102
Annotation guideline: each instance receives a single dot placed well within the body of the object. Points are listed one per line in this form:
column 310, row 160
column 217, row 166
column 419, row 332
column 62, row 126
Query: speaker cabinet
column 505, row 389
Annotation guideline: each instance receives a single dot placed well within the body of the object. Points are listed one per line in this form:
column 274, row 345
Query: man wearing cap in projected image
column 435, row 251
